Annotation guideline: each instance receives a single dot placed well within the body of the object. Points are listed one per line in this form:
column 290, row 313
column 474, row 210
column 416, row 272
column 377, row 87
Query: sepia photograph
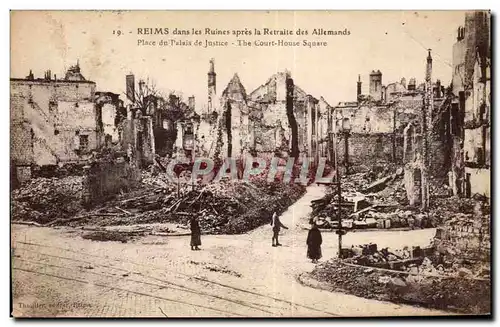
column 250, row 164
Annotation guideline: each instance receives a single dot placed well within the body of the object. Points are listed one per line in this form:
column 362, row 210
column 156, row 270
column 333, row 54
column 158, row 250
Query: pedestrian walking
column 276, row 223
column 195, row 234
column 313, row 242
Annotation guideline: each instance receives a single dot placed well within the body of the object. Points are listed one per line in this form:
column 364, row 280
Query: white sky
column 393, row 42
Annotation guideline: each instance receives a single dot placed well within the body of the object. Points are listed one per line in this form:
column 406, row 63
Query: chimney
column 412, row 85
column 191, row 103
column 358, row 93
column 30, row 76
column 376, row 85
column 437, row 90
column 130, row 86
column 403, row 82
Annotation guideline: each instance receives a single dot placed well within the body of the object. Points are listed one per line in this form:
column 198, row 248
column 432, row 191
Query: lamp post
column 346, row 130
column 343, row 128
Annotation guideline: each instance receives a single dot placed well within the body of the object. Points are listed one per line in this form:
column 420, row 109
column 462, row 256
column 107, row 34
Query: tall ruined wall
column 367, row 119
column 57, row 113
column 137, row 139
column 108, row 120
column 370, row 149
column 206, row 136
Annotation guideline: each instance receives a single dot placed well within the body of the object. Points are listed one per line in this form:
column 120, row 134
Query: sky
column 393, row 42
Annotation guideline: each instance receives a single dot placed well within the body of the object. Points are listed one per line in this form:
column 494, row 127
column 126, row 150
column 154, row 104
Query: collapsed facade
column 155, row 126
column 455, row 130
column 457, row 126
column 277, row 118
column 377, row 119
column 53, row 121
column 471, row 107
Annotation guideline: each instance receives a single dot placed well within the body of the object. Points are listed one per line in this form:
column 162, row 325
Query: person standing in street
column 195, row 234
column 276, row 223
column 313, row 242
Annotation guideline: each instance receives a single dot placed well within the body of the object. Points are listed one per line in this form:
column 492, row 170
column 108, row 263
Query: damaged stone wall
column 466, row 238
column 236, row 117
column 137, row 139
column 206, row 135
column 60, row 116
column 369, row 149
column 373, row 138
column 471, row 109
column 111, row 107
column 103, row 179
column 271, row 125
column 285, row 114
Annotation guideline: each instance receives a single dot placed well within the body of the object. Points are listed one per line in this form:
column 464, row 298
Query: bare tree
column 143, row 94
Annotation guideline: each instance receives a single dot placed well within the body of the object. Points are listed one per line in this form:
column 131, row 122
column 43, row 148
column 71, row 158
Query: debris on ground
column 452, row 273
column 472, row 296
column 227, row 206
column 42, row 199
column 111, row 236
column 382, row 203
column 215, row 268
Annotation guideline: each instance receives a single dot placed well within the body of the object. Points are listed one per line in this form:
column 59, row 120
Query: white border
column 205, row 5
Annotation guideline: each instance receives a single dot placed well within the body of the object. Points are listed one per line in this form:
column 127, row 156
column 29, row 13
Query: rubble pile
column 432, row 260
column 42, row 200
column 465, row 236
column 444, row 209
column 459, row 294
column 326, row 208
column 439, row 276
column 227, row 206
column 369, row 255
column 157, row 180
column 368, row 203
column 277, row 198
column 50, row 171
column 374, row 200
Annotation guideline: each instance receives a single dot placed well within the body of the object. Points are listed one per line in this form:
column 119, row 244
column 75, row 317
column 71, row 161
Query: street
column 57, row 273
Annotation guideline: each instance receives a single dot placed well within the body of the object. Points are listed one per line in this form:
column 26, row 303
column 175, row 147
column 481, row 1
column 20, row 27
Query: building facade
column 54, row 121
column 471, row 108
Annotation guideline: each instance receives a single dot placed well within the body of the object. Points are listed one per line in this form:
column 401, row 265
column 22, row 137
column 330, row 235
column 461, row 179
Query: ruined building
column 456, row 135
column 53, row 121
column 377, row 119
column 155, row 126
column 276, row 118
column 290, row 117
column 112, row 108
column 471, row 108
